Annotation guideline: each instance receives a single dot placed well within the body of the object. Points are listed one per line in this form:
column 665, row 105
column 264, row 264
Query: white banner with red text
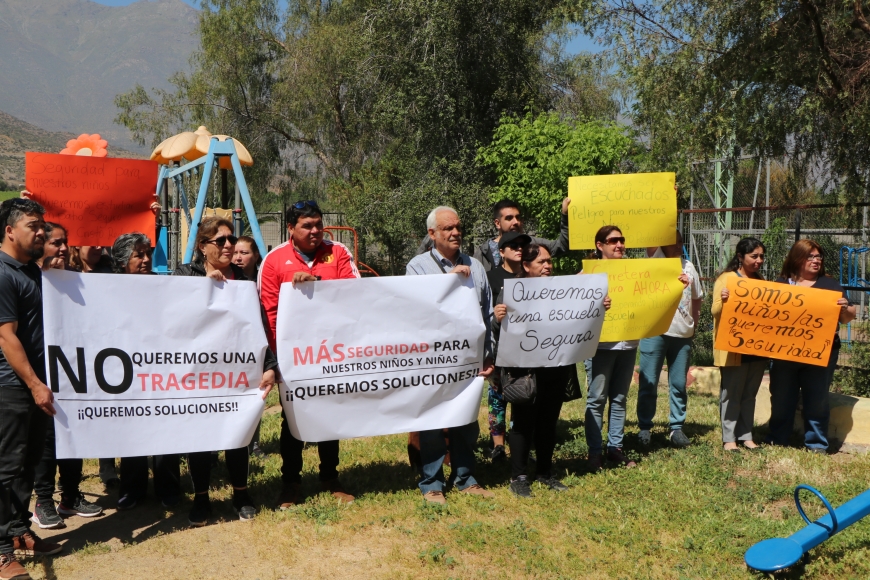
column 152, row 365
column 379, row 356
column 551, row 321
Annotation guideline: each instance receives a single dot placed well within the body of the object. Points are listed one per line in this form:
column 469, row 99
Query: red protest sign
column 95, row 198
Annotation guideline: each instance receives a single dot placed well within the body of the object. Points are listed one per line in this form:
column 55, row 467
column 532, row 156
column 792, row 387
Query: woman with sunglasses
column 741, row 374
column 215, row 245
column 805, row 266
column 612, row 369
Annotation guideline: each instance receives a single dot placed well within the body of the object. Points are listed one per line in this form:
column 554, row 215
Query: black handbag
column 518, row 385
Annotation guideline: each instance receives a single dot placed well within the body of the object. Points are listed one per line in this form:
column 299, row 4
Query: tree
column 533, row 156
column 713, row 78
column 379, row 107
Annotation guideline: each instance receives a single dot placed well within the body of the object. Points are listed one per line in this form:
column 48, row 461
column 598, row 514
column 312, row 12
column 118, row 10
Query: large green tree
column 715, row 78
column 376, row 107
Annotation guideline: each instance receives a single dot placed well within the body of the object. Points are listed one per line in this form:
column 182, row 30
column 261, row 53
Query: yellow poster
column 644, row 294
column 642, row 205
column 774, row 320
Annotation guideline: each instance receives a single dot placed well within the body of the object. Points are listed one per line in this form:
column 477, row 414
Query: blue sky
column 579, row 43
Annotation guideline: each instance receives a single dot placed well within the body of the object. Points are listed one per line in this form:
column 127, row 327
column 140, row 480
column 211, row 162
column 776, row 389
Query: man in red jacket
column 306, row 257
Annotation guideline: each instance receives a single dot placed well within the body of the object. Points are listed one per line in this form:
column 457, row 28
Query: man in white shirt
column 675, row 346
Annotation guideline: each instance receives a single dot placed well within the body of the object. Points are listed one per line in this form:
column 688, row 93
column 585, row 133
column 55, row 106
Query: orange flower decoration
column 85, row 144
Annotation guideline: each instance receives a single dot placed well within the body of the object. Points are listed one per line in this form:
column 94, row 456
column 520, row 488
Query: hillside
column 63, row 61
column 18, row 137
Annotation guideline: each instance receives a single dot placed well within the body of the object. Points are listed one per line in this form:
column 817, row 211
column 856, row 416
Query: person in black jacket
column 215, row 245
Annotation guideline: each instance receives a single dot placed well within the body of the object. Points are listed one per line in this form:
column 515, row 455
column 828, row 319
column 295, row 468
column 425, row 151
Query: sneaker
column 45, row 516
column 78, row 506
column 520, row 487
column 497, row 454
column 337, row 490
column 475, row 489
column 595, row 462
column 11, row 568
column 679, row 439
column 127, row 502
column 819, row 450
column 616, row 455
column 29, row 544
column 435, row 497
column 552, row 483
column 645, row 437
column 256, row 451
column 200, row 511
column 244, row 505
column 291, row 495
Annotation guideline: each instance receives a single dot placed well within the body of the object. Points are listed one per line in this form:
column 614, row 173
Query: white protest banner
column 379, row 356
column 150, row 365
column 551, row 321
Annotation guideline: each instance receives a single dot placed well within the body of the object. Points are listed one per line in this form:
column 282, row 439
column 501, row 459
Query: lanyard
column 440, row 265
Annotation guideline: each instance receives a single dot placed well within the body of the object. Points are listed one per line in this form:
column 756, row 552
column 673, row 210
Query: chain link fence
column 723, row 209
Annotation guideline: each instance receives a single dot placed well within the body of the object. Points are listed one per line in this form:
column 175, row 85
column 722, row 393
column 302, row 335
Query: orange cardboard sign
column 779, row 321
column 95, row 198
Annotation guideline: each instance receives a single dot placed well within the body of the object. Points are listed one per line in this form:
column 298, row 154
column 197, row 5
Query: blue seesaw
column 780, row 553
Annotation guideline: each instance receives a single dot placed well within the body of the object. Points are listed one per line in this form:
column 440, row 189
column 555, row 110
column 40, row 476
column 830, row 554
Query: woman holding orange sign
column 805, row 266
column 741, row 374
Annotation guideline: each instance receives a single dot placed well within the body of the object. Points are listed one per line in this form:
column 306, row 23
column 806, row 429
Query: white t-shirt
column 683, row 325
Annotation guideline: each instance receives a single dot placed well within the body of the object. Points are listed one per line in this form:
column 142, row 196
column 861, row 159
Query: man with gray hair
column 445, row 230
column 26, row 403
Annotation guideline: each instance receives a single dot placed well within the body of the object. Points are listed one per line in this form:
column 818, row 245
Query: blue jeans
column 788, row 381
column 653, row 352
column 433, row 449
column 611, row 377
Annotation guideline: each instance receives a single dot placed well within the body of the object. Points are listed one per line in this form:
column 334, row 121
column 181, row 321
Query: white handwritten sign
column 551, row 321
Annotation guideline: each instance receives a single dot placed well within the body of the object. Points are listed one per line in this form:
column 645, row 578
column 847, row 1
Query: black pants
column 200, row 468
column 22, row 437
column 537, row 421
column 291, row 456
column 167, row 476
column 70, row 470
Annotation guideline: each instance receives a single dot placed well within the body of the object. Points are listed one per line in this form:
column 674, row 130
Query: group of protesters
column 27, row 446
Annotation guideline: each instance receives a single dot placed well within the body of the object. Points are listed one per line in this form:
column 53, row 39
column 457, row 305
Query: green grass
column 4, row 195
column 680, row 514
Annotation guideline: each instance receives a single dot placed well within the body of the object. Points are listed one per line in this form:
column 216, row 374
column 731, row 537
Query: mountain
column 17, row 137
column 63, row 61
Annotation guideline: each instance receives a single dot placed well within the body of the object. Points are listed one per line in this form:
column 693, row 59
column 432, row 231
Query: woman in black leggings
column 536, row 421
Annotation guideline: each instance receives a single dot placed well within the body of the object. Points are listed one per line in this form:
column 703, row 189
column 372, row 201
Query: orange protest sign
column 95, row 198
column 779, row 321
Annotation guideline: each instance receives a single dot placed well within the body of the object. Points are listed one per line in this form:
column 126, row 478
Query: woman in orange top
column 741, row 373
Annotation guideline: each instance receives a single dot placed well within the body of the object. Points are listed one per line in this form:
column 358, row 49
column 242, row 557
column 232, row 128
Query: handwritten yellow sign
column 778, row 321
column 644, row 295
column 643, row 205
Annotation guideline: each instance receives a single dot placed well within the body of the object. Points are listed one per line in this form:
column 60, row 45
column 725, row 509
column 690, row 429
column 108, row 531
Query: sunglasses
column 815, row 258
column 222, row 241
column 303, row 204
column 614, row 241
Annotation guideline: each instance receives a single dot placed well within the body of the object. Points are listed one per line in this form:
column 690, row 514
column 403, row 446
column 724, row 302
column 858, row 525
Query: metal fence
column 722, row 210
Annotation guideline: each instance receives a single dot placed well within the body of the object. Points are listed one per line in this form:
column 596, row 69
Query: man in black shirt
column 26, row 403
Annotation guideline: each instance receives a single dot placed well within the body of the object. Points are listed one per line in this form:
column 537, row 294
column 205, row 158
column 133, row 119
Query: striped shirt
column 432, row 262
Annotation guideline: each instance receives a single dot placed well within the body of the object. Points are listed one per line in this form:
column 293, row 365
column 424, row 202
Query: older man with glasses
column 305, row 257
column 445, row 257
